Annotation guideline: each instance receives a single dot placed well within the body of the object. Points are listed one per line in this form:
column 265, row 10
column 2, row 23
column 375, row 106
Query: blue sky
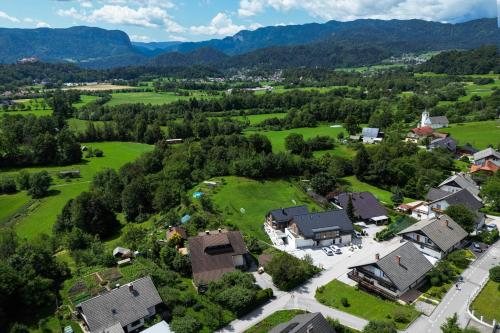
column 164, row 20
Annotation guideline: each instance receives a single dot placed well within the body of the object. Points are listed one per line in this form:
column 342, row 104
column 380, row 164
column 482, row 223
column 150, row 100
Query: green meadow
column 359, row 186
column 154, row 98
column 244, row 202
column 37, row 216
column 255, row 119
column 479, row 134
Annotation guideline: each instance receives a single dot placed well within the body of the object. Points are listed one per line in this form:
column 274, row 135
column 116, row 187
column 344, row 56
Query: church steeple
column 425, row 118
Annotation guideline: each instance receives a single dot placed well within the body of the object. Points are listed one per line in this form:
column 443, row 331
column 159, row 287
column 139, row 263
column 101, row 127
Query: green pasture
column 479, row 134
column 487, row 303
column 38, row 216
column 154, row 98
column 358, row 186
column 255, row 119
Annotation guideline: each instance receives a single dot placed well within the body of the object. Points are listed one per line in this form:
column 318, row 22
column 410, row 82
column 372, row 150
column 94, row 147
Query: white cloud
column 41, row 24
column 344, row 10
column 149, row 17
column 140, row 38
column 175, row 38
column 3, row 15
column 221, row 25
column 86, row 4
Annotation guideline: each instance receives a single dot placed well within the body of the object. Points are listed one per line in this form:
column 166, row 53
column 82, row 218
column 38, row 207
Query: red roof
column 423, row 131
column 486, row 166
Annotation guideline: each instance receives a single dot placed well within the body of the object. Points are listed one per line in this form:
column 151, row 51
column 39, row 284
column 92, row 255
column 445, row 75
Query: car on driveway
column 491, row 227
column 336, row 249
column 477, row 247
column 328, row 251
column 357, row 234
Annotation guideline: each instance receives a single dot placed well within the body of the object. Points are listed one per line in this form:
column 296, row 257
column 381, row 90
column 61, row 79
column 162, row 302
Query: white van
column 336, row 249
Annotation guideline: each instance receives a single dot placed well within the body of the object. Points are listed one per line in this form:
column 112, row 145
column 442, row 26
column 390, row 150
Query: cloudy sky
column 164, row 20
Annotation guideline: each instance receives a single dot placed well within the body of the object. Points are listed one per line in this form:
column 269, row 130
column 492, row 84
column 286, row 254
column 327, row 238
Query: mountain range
column 331, row 44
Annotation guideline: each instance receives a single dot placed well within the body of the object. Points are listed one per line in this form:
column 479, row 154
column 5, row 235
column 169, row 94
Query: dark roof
column 412, row 266
column 121, row 305
column 468, row 149
column 462, row 197
column 369, row 132
column 435, row 194
column 365, row 204
column 301, row 323
column 309, row 224
column 180, row 230
column 443, row 231
column 446, row 143
column 286, row 214
column 212, row 254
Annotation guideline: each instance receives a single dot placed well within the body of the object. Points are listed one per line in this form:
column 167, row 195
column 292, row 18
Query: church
column 433, row 122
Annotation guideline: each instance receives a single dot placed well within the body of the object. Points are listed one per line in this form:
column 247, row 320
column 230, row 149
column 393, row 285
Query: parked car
column 491, row 227
column 357, row 234
column 336, row 249
column 327, row 251
column 477, row 247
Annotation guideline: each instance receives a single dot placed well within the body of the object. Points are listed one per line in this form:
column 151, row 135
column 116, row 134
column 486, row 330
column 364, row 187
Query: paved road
column 455, row 301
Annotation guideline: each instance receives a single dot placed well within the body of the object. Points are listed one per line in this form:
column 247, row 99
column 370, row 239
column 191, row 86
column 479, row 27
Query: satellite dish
column 242, row 210
column 294, row 202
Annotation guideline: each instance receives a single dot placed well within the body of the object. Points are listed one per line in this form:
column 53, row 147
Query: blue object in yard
column 197, row 195
column 68, row 329
column 185, row 218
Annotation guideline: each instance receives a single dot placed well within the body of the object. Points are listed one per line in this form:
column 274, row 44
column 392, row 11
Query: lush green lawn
column 278, row 137
column 487, row 303
column 38, row 113
column 382, row 195
column 11, row 203
column 244, row 202
column 483, row 90
column 41, row 215
column 255, row 119
column 363, row 304
column 151, row 97
column 79, row 125
column 273, row 320
column 479, row 134
column 85, row 99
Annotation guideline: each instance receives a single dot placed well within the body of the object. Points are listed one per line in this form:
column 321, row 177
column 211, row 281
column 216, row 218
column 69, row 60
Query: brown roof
column 423, row 131
column 180, row 230
column 486, row 166
column 212, row 254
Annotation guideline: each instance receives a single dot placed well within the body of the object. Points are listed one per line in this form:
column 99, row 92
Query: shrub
column 289, row 272
column 98, row 153
column 345, row 302
column 178, row 311
column 459, row 259
column 400, row 316
column 7, row 186
column 495, row 273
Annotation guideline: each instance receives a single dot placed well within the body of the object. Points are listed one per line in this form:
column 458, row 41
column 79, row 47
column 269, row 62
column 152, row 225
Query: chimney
column 207, row 232
column 130, row 287
column 170, row 228
column 220, row 230
column 447, row 223
column 377, row 256
column 398, row 259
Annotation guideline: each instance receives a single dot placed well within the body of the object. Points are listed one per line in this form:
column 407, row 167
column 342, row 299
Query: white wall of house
column 377, row 272
column 297, row 242
column 427, row 251
column 345, row 239
column 441, row 205
column 422, row 212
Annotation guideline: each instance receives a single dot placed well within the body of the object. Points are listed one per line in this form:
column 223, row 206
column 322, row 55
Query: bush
column 345, row 302
column 263, row 296
column 98, row 153
column 495, row 273
column 459, row 259
column 7, row 186
column 401, row 316
column 289, row 272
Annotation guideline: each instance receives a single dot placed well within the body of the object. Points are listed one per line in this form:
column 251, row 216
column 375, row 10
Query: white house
column 433, row 122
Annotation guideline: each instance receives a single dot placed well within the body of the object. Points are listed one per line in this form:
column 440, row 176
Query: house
column 320, row 229
column 435, row 237
column 372, row 135
column 305, row 323
column 488, row 154
column 121, row 252
column 433, row 122
column 126, row 307
column 179, row 230
column 458, row 182
column 467, row 150
column 447, row 143
column 366, row 207
column 279, row 219
column 214, row 253
column 418, row 134
column 161, row 327
column 481, row 172
column 393, row 274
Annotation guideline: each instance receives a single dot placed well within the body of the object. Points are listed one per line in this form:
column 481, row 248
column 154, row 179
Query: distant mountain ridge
column 330, row 44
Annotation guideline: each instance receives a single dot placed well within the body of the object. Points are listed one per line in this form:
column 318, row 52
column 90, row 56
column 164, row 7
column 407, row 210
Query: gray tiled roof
column 301, row 323
column 463, row 181
column 446, row 143
column 444, row 236
column 370, row 132
column 435, row 194
column 365, row 204
column 486, row 153
column 286, row 214
column 120, row 305
column 315, row 222
column 439, row 120
column 413, row 265
column 462, row 197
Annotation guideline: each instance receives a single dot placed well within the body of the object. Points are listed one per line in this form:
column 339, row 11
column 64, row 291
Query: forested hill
column 424, row 35
column 82, row 45
column 483, row 60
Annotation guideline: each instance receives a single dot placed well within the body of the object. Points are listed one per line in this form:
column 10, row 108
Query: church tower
column 425, row 117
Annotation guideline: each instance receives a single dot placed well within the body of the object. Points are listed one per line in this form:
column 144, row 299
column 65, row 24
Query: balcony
column 368, row 284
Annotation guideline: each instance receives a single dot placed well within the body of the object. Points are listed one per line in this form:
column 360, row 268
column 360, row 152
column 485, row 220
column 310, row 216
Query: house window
column 136, row 323
column 310, row 328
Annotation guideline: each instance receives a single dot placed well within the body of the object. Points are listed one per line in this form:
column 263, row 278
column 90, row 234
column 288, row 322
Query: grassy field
column 275, row 319
column 85, row 99
column 38, row 113
column 39, row 216
column 479, row 134
column 244, row 202
column 99, row 87
column 487, row 303
column 11, row 203
column 151, row 97
column 79, row 125
column 278, row 137
column 382, row 195
column 363, row 304
column 255, row 119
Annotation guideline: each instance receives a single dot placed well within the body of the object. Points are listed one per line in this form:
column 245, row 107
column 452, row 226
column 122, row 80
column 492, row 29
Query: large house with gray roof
column 366, row 207
column 123, row 309
column 488, row 154
column 459, row 182
column 435, row 237
column 392, row 275
column 279, row 219
column 320, row 229
column 305, row 323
